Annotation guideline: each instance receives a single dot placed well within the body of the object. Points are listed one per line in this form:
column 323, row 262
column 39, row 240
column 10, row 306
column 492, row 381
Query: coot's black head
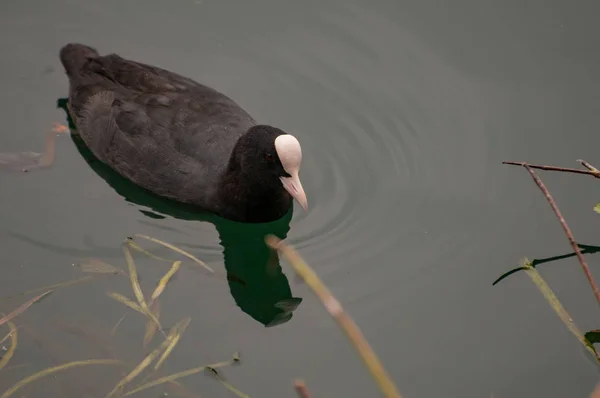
column 269, row 159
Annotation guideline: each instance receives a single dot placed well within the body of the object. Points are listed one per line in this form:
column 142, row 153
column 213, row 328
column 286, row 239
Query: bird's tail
column 74, row 56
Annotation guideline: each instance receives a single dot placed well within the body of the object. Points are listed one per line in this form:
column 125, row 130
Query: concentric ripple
column 373, row 155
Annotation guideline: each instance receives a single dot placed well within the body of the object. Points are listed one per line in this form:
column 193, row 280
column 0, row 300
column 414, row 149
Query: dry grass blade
column 51, row 287
column 175, row 376
column 114, row 329
column 175, row 332
column 55, row 369
column 173, row 338
column 13, row 346
column 140, row 249
column 162, row 284
column 333, row 306
column 7, row 336
column 99, row 267
column 23, row 307
column 176, row 249
column 62, row 284
column 150, row 325
column 233, row 389
column 137, row 370
column 557, row 306
column 122, row 299
column 135, row 284
column 228, row 385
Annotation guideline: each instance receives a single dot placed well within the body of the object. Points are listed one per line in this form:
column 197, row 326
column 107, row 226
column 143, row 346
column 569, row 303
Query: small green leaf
column 597, row 208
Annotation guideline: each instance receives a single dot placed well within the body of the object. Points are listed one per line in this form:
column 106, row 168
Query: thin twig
column 567, row 230
column 301, row 389
column 591, row 170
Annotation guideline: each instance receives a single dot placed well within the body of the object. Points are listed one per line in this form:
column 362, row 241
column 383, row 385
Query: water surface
column 405, row 111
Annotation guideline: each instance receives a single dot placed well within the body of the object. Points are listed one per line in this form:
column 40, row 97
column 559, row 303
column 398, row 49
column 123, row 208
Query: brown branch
column 591, row 170
column 567, row 230
column 301, row 389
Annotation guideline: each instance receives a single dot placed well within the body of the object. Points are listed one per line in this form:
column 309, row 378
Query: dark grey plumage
column 174, row 136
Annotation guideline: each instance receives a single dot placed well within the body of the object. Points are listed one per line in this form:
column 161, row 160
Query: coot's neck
column 247, row 199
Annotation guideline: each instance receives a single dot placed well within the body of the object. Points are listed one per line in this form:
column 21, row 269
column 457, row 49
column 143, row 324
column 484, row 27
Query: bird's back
column 165, row 132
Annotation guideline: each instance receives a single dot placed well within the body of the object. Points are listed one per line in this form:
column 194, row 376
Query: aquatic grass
column 151, row 327
column 147, row 361
column 23, row 308
column 7, row 336
column 178, row 375
column 529, row 267
column 557, row 306
column 151, row 310
column 177, row 250
column 172, row 340
column 137, row 290
column 55, row 369
column 162, row 283
column 96, row 266
column 140, row 249
column 591, row 170
column 226, row 384
column 334, row 308
column 61, row 284
column 114, row 329
column 124, row 300
column 13, row 334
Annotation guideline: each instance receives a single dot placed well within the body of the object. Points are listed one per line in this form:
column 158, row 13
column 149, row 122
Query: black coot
column 180, row 139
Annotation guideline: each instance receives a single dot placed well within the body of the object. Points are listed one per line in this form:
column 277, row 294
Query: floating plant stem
column 23, row 307
column 333, row 306
column 176, row 376
column 135, row 284
column 558, row 307
column 54, row 369
column 176, row 249
column 162, row 284
column 13, row 345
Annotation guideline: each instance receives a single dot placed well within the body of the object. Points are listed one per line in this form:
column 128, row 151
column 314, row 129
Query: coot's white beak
column 290, row 154
column 294, row 187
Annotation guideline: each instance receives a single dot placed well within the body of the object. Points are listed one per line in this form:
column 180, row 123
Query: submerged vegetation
column 586, row 339
column 144, row 375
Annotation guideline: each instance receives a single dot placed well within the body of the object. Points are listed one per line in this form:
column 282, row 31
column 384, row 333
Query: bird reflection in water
column 254, row 274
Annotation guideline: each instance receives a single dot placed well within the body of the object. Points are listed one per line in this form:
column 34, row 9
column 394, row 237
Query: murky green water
column 405, row 111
